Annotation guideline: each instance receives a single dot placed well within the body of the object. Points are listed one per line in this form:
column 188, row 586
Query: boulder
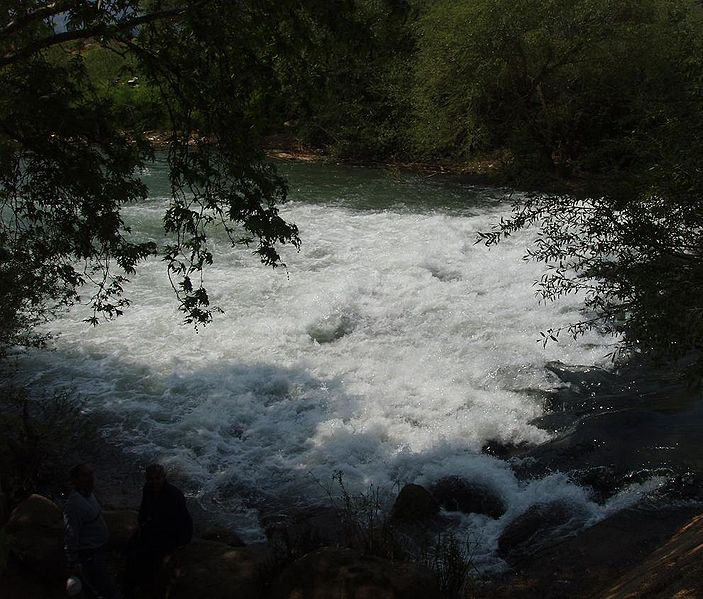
column 603, row 481
column 330, row 573
column 458, row 495
column 122, row 525
column 674, row 570
column 213, row 570
column 414, row 503
column 36, row 529
column 532, row 529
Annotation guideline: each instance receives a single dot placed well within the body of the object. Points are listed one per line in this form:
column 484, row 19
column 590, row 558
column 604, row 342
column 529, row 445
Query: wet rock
column 603, row 481
column 414, row 502
column 628, row 440
column 36, row 528
column 331, row 328
column 532, row 529
column 501, row 450
column 213, row 570
column 458, row 495
column 588, row 378
column 331, row 573
column 587, row 564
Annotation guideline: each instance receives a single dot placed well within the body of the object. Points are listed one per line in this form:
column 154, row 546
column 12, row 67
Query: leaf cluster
column 72, row 144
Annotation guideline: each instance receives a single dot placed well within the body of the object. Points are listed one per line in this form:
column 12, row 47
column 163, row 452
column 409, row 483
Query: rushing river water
column 391, row 349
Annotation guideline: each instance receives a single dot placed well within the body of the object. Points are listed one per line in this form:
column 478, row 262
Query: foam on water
column 391, row 348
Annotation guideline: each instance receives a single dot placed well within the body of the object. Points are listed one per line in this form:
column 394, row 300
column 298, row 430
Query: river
column 391, row 348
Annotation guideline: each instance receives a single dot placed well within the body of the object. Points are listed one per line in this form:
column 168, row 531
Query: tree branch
column 50, row 10
column 101, row 29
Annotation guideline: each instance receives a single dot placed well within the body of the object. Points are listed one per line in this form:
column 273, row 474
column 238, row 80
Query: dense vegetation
column 597, row 102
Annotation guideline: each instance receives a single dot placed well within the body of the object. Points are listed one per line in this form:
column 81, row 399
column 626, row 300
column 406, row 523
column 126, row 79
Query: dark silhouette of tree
column 69, row 160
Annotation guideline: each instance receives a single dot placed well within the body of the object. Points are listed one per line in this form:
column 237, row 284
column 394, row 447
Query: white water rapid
column 391, row 349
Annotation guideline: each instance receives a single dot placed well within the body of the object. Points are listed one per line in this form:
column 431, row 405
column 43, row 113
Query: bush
column 39, row 440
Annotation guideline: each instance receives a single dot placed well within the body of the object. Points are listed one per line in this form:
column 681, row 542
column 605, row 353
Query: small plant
column 286, row 548
column 365, row 522
column 451, row 559
column 38, row 437
column 366, row 526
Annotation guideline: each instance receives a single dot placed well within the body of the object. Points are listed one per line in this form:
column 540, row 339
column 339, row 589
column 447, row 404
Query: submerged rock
column 531, row 529
column 414, row 502
column 331, row 328
column 458, row 495
column 331, row 573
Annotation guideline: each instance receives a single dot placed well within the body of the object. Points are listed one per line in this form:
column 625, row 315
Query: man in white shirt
column 86, row 536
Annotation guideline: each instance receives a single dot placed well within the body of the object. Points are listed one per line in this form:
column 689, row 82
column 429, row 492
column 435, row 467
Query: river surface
column 391, row 348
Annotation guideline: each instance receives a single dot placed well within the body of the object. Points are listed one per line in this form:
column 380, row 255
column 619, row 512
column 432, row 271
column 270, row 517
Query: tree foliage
column 356, row 101
column 604, row 95
column 553, row 82
column 629, row 238
column 71, row 153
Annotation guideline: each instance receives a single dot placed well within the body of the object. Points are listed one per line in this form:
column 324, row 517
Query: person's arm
column 184, row 521
column 72, row 523
column 141, row 518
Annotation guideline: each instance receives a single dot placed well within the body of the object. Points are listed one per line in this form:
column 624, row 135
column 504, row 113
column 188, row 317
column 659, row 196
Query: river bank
column 650, row 548
column 634, row 553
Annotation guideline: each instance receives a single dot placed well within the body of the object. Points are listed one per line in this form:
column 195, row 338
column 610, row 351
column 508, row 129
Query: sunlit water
column 391, row 348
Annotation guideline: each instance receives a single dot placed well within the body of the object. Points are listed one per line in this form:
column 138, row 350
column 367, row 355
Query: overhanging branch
column 99, row 30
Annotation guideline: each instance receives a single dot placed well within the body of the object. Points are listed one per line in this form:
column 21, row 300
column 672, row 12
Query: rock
column 414, row 503
column 673, row 570
column 458, row 495
column 604, row 481
column 531, row 530
column 331, row 573
column 586, row 564
column 213, row 570
column 222, row 535
column 502, row 450
column 122, row 525
column 36, row 528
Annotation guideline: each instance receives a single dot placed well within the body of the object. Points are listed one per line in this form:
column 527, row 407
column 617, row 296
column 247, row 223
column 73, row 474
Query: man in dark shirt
column 164, row 525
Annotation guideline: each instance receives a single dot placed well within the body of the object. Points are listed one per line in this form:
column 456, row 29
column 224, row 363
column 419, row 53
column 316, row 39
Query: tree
column 69, row 159
column 553, row 82
column 359, row 105
column 631, row 238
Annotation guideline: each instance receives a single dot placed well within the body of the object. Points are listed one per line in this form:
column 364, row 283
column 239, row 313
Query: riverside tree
column 70, row 156
column 610, row 94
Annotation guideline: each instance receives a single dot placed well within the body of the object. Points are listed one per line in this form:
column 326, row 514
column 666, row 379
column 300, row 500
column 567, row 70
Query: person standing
column 164, row 525
column 86, row 536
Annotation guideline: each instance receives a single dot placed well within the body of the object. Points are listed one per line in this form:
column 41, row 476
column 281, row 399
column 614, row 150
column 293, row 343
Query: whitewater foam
column 391, row 348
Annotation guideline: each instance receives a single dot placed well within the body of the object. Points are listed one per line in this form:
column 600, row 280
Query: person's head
column 155, row 477
column 82, row 478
